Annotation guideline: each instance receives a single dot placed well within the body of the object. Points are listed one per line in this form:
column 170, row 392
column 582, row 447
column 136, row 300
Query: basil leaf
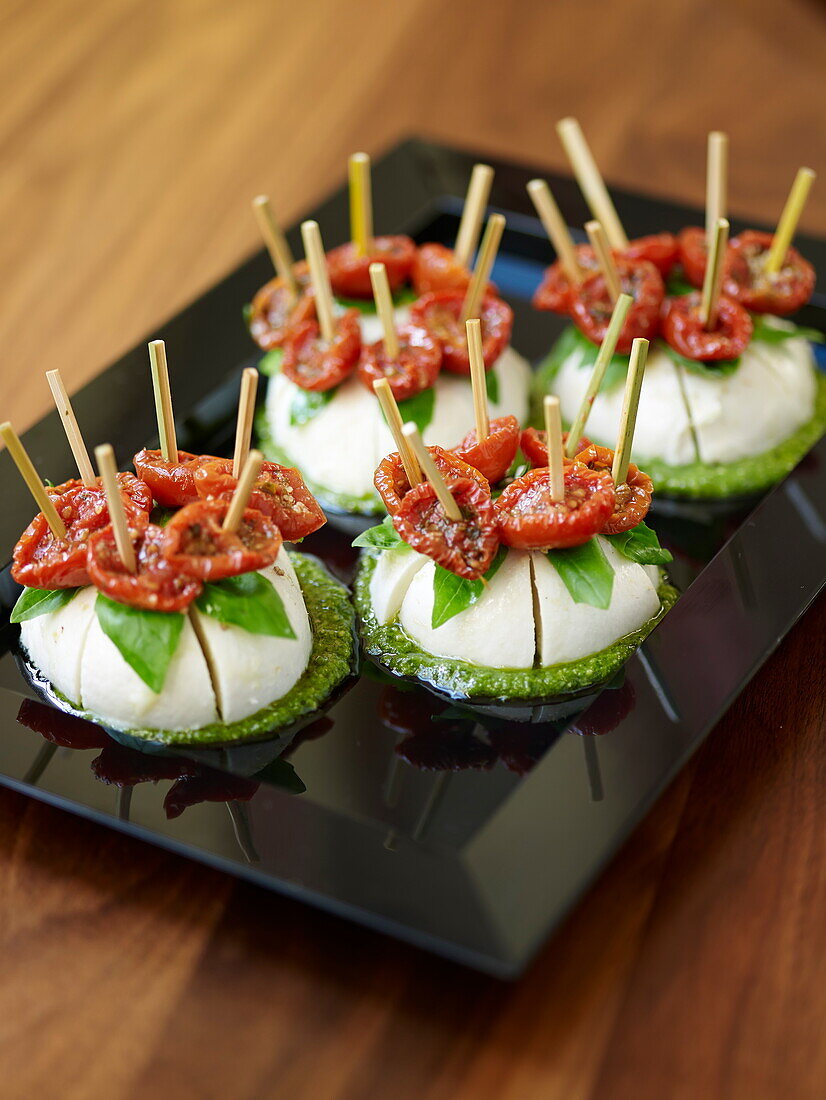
column 367, row 307
column 308, row 403
column 676, row 285
column 381, row 537
column 492, row 387
column 718, row 368
column 40, row 601
column 147, row 640
column 271, row 362
column 573, row 345
column 585, row 572
column 452, row 594
column 419, row 409
column 640, row 544
column 774, row 334
column 248, row 601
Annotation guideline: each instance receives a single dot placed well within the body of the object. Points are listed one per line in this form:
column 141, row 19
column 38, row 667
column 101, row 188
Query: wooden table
column 135, row 133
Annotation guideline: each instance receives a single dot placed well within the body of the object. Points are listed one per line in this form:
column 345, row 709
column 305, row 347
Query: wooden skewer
column 361, row 203
column 431, row 472
column 558, row 232
column 484, row 265
column 320, row 277
column 70, row 427
column 105, row 458
column 473, row 328
column 276, row 242
column 604, row 356
column 788, row 219
column 630, row 404
column 163, row 400
column 716, row 182
column 241, row 496
column 384, row 307
column 553, row 441
column 381, row 388
column 35, row 486
column 713, row 281
column 599, row 243
column 476, row 201
column 246, row 413
column 590, row 181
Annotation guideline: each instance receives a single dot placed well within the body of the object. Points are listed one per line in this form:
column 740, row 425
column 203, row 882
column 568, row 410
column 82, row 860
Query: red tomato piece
column 314, row 364
column 756, row 290
column 530, row 520
column 172, row 484
column 155, row 585
column 66, row 730
column 275, row 309
column 350, row 272
column 684, row 331
column 436, row 268
column 554, row 292
column 633, row 497
column 693, row 254
column 392, row 484
column 467, row 546
column 591, row 308
column 416, row 368
column 494, row 455
column 659, row 249
column 535, row 448
column 278, row 492
column 440, row 314
column 195, row 543
column 42, row 561
column 207, row 786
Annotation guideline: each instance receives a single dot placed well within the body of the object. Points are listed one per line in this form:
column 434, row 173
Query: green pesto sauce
column 332, row 660
column 718, row 481
column 396, row 651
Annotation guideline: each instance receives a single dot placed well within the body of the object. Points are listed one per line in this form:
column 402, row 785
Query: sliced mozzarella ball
column 55, row 642
column 768, row 397
column 118, row 697
column 495, row 632
column 663, row 428
column 394, row 571
column 569, row 630
column 283, row 566
column 249, row 671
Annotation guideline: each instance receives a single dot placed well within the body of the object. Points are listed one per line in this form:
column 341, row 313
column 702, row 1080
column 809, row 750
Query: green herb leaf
column 676, row 285
column 308, row 403
column 769, row 333
column 366, row 306
column 147, row 640
column 40, row 601
column 419, row 409
column 492, row 386
column 719, row 368
column 248, row 601
column 270, row 364
column 381, row 537
column 573, row 345
column 452, row 594
column 585, row 572
column 640, row 544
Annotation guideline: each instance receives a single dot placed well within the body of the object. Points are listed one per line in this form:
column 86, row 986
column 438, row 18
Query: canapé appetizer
column 186, row 625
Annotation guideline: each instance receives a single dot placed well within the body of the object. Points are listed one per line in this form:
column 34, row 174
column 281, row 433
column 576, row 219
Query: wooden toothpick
column 553, row 440
column 590, row 181
column 473, row 214
column 105, row 458
column 558, row 232
column 716, row 182
column 361, row 203
column 246, row 414
column 276, row 242
column 431, row 472
column 484, row 266
column 163, row 400
column 241, row 496
column 630, row 404
column 713, row 281
column 473, row 328
column 70, row 427
column 384, row 307
column 381, row 388
column 35, row 486
column 787, row 225
column 320, row 277
column 599, row 243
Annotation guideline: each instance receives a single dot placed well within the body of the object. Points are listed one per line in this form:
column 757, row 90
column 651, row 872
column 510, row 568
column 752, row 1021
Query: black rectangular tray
column 469, row 841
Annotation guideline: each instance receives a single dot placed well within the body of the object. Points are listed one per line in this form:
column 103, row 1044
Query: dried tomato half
column 313, row 363
column 495, row 454
column 436, row 268
column 754, row 288
column 156, row 585
column 535, row 447
column 416, row 367
column 693, row 248
column 659, row 249
column 275, row 309
column 440, row 313
column 530, row 520
column 172, row 484
column 633, row 497
column 350, row 272
column 278, row 492
column 684, row 331
column 195, row 543
column 555, row 291
column 591, row 307
column 392, row 484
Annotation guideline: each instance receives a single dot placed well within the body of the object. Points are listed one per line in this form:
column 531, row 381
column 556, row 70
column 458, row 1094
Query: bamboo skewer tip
column 630, row 405
column 71, row 428
column 555, row 226
column 393, row 418
column 105, row 458
column 246, row 415
column 599, row 243
column 787, row 225
column 34, row 483
column 484, row 265
column 553, row 443
column 361, row 202
column 241, row 496
column 431, row 472
column 473, row 213
column 473, row 329
column 384, row 307
column 275, row 241
column 319, row 276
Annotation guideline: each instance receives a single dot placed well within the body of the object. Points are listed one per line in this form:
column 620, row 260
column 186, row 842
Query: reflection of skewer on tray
column 40, row 763
column 243, row 833
column 589, row 747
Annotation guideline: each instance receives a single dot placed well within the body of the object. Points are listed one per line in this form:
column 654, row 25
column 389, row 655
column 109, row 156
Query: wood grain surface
column 134, row 133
